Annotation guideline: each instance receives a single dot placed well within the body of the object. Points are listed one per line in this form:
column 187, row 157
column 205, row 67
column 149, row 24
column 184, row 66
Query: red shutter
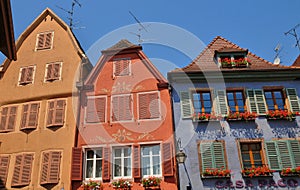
column 45, row 168
column 4, row 163
column 76, row 164
column 26, row 170
column 90, row 111
column 125, row 67
column 17, row 171
column 12, row 118
column 24, row 116
column 115, row 108
column 127, row 107
column 106, row 164
column 167, row 159
column 118, row 68
column 60, row 112
column 143, row 107
column 100, row 108
column 4, row 116
column 53, row 175
column 136, row 161
column 50, row 113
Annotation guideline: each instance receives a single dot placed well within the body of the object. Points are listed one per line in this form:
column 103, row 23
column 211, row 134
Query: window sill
column 257, row 176
column 240, row 119
column 214, row 177
column 204, row 120
column 281, row 118
column 290, row 175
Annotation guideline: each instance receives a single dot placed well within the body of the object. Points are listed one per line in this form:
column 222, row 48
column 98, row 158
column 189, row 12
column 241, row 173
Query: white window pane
column 127, row 152
column 118, row 152
column 117, row 168
column 146, row 166
column 156, row 165
column 145, row 150
column 89, row 169
column 156, row 150
column 99, row 153
column 98, row 168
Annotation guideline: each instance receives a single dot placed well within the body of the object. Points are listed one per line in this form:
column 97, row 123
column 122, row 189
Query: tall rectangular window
column 202, row 102
column 44, row 40
column 151, row 160
column 26, row 75
column 121, row 162
column 56, row 113
column 50, row 168
column 95, row 109
column 93, row 163
column 251, row 153
column 275, row 99
column 22, row 170
column 236, row 101
column 30, row 115
column 53, row 71
column 8, row 118
column 122, row 108
column 149, row 105
column 122, row 67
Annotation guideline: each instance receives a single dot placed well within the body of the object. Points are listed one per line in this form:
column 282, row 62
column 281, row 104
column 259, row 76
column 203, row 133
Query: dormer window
column 233, row 58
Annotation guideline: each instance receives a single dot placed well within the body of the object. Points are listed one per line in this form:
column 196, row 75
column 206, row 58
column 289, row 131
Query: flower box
column 122, row 184
column 290, row 172
column 215, row 173
column 151, row 182
column 245, row 116
column 205, row 117
column 261, row 171
column 91, row 185
column 281, row 115
column 230, row 63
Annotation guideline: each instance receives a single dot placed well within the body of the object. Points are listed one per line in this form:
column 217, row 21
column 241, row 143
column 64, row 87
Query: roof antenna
column 141, row 27
column 294, row 33
column 277, row 51
column 71, row 13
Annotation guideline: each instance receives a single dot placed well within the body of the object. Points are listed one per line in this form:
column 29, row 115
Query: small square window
column 122, row 67
column 26, row 75
column 44, row 40
column 53, row 71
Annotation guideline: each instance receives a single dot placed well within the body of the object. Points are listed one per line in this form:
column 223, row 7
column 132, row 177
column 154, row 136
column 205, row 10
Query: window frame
column 211, row 94
column 22, row 167
column 54, row 114
column 274, row 99
column 234, row 91
column 129, row 67
column 151, row 156
column 122, row 162
column 158, row 109
column 86, row 110
column 232, row 56
column 37, row 48
column 8, row 117
column 94, row 159
column 51, row 79
column 112, row 106
column 29, row 114
column 26, row 82
column 50, row 166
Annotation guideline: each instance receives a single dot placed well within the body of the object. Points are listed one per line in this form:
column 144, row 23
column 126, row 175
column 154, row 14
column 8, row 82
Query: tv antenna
column 294, row 33
column 140, row 29
column 277, row 51
column 71, row 12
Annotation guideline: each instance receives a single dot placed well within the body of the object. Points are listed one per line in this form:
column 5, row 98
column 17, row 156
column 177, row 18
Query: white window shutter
column 186, row 104
column 256, row 101
column 293, row 99
column 222, row 105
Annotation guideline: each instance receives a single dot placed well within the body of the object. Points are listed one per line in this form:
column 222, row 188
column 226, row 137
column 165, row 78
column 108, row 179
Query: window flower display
column 92, row 185
column 290, row 171
column 151, row 182
column 257, row 171
column 236, row 62
column 121, row 184
column 281, row 114
column 241, row 116
column 204, row 117
column 216, row 172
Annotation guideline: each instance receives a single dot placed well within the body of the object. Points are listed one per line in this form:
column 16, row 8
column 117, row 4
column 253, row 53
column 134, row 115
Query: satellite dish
column 277, row 61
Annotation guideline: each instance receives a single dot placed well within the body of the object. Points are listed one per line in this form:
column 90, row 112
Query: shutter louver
column 222, row 102
column 26, row 173
column 45, row 168
column 186, row 105
column 33, row 115
column 115, row 109
column 23, row 76
column 4, row 164
column 53, row 176
column 22, row 170
column 154, row 105
column 127, row 105
column 106, row 164
column 56, row 71
column 206, row 156
column 76, row 164
column 56, row 113
column 272, row 155
column 143, row 107
column 17, row 171
column 219, row 157
column 49, row 71
column 4, row 115
column 40, row 43
column 24, row 116
column 284, row 154
column 95, row 111
column 50, row 113
column 167, row 159
column 100, row 108
column 12, row 118
column 295, row 151
column 136, row 161
column 293, row 99
column 29, row 75
column 48, row 40
column 149, row 106
column 260, row 101
column 117, row 68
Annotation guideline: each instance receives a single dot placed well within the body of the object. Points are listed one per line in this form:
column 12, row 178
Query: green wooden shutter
column 272, row 155
column 256, row 101
column 293, row 99
column 222, row 108
column 186, row 104
column 251, row 101
column 206, row 156
column 284, row 154
column 295, row 152
column 218, row 153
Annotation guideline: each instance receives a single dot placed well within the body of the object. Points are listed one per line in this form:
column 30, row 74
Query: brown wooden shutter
column 101, row 108
column 4, row 164
column 106, row 164
column 26, row 172
column 56, row 71
column 154, row 105
column 24, row 116
column 4, row 116
column 45, row 168
column 125, row 67
column 54, row 164
column 12, row 118
column 136, row 161
column 40, row 39
column 60, row 112
column 17, row 171
column 23, row 75
column 29, row 74
column 167, row 159
column 48, row 40
column 143, row 107
column 33, row 115
column 50, row 113
column 49, row 71
column 115, row 108
column 76, row 164
column 118, row 68
column 127, row 107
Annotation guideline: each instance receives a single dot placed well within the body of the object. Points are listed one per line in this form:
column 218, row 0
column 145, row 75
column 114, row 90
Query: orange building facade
column 38, row 113
column 125, row 128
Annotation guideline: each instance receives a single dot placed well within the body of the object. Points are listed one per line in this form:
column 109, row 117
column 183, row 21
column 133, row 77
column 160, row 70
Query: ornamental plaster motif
column 121, row 87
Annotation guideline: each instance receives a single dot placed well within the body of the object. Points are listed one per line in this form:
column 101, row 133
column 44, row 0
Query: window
column 275, row 99
column 121, row 162
column 50, row 167
column 44, row 40
column 149, row 105
column 229, row 60
column 22, row 170
column 95, row 110
column 56, row 113
column 236, row 101
column 202, row 102
column 8, row 118
column 93, row 163
column 122, row 67
column 151, row 160
column 26, row 75
column 251, row 154
column 4, row 164
column 212, row 155
column 53, row 71
column 293, row 99
column 122, row 108
column 30, row 116
column 283, row 154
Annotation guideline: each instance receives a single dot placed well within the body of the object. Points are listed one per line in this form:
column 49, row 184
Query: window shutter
column 56, row 71
column 256, row 101
column 115, row 108
column 125, row 67
column 293, row 99
column 45, row 168
column 117, row 68
column 33, row 115
column 24, row 116
column 143, row 107
column 40, row 43
column 91, row 116
column 136, row 161
column 167, row 159
column 295, row 152
column 4, row 115
column 222, row 102
column 48, row 40
column 22, row 170
column 186, row 105
column 59, row 112
column 76, row 164
column 207, row 161
column 29, row 74
column 149, row 106
column 284, row 154
column 12, row 118
column 17, row 171
column 23, row 75
column 50, row 113
column 53, row 175
column 154, row 105
column 49, row 71
column 4, row 164
column 219, row 156
column 101, row 108
column 26, row 172
column 106, row 164
column 272, row 155
column 127, row 104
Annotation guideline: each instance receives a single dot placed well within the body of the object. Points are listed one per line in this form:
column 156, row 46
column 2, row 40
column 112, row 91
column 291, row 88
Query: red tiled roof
column 205, row 61
column 122, row 45
column 297, row 62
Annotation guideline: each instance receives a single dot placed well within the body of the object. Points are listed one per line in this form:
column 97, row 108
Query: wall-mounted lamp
column 180, row 157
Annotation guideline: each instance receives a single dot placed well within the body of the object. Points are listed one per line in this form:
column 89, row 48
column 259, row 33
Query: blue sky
column 253, row 24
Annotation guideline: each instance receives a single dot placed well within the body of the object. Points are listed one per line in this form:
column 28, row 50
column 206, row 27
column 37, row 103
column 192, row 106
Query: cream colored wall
column 42, row 138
